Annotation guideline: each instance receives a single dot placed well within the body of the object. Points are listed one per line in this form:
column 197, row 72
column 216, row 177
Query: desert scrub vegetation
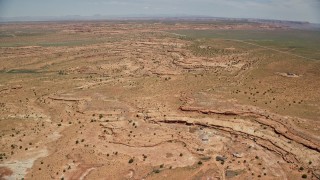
column 130, row 161
column 156, row 171
column 3, row 156
column 304, row 176
column 199, row 49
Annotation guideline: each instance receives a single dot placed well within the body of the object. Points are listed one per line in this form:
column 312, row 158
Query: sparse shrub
column 304, row 176
column 156, row 171
column 131, row 161
column 61, row 72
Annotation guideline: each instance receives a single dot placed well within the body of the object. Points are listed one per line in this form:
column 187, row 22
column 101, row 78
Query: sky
column 296, row 10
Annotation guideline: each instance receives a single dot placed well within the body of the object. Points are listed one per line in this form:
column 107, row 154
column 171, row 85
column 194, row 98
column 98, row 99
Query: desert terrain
column 159, row 100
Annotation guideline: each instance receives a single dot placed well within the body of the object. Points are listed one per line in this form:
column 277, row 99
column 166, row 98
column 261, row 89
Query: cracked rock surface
column 108, row 100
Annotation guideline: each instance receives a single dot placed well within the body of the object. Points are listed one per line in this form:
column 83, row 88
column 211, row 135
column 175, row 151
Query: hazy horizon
column 292, row 10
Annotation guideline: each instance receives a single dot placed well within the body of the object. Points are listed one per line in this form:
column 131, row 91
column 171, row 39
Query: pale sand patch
column 20, row 167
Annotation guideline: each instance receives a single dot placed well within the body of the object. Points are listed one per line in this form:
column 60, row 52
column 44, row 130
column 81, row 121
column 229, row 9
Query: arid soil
column 134, row 100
